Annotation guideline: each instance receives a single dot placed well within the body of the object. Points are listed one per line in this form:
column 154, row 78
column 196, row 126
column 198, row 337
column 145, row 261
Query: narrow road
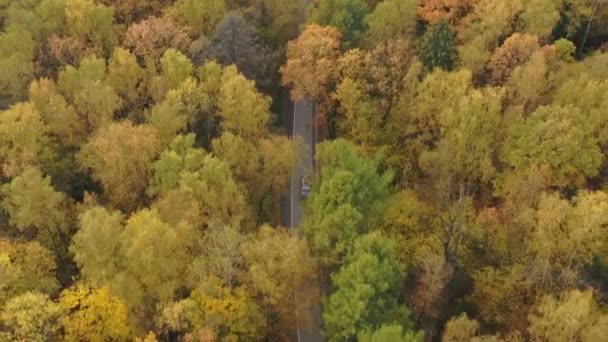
column 308, row 311
column 309, row 315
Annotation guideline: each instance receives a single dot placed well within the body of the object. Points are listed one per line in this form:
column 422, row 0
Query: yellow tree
column 243, row 110
column 93, row 315
column 573, row 317
column 278, row 264
column 310, row 69
column 120, row 157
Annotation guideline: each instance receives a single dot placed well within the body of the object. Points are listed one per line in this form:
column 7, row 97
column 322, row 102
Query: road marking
column 293, row 133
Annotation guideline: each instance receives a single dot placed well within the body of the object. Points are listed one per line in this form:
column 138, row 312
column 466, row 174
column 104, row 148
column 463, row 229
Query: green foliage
column 540, row 17
column 437, row 49
column 96, row 245
column 181, row 156
column 33, row 204
column 92, row 22
column 16, row 66
column 389, row 333
column 366, row 290
column 279, row 264
column 348, row 16
column 23, row 140
column 351, row 193
column 558, row 137
column 391, row 19
column 565, row 49
column 175, row 67
column 200, row 16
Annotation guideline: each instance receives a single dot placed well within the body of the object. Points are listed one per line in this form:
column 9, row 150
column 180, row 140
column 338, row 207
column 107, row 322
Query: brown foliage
column 515, row 51
column 150, row 38
column 128, row 11
column 311, row 66
column 432, row 11
column 69, row 49
column 435, row 276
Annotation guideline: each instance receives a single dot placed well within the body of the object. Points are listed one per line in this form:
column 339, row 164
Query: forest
column 460, row 187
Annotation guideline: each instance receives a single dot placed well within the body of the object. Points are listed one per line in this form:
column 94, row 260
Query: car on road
column 305, row 187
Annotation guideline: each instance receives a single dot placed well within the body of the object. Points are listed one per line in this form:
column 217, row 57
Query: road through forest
column 300, row 125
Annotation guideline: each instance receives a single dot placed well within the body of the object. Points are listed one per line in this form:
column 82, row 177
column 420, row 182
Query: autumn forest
column 148, row 157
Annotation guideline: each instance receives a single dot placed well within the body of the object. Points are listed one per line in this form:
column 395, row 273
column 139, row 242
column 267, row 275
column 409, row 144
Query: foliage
column 574, row 316
column 23, row 139
column 149, row 38
column 311, row 59
column 391, row 19
column 366, row 290
column 437, row 49
column 30, row 317
column 555, row 136
column 235, row 41
column 351, row 192
column 93, row 315
column 120, row 157
column 345, row 15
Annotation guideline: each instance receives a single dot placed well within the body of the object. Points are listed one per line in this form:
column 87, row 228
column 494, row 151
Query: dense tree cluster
column 461, row 192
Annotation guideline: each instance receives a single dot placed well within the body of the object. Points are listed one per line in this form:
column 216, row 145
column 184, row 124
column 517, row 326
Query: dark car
column 305, row 187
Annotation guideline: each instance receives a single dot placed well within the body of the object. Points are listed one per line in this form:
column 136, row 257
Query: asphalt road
column 308, row 310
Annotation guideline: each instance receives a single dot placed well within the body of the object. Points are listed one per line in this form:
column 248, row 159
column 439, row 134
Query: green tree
column 437, row 49
column 95, row 101
column 23, row 140
column 558, row 137
column 155, row 257
column 388, row 333
column 96, row 245
column 351, row 194
column 63, row 122
column 34, row 205
column 125, row 75
column 366, row 290
column 120, row 157
column 488, row 22
column 348, row 16
column 540, row 17
column 206, row 197
column 463, row 157
column 93, row 315
column 181, row 156
column 30, row 317
column 92, row 22
column 17, row 50
column 200, row 16
column 391, row 19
